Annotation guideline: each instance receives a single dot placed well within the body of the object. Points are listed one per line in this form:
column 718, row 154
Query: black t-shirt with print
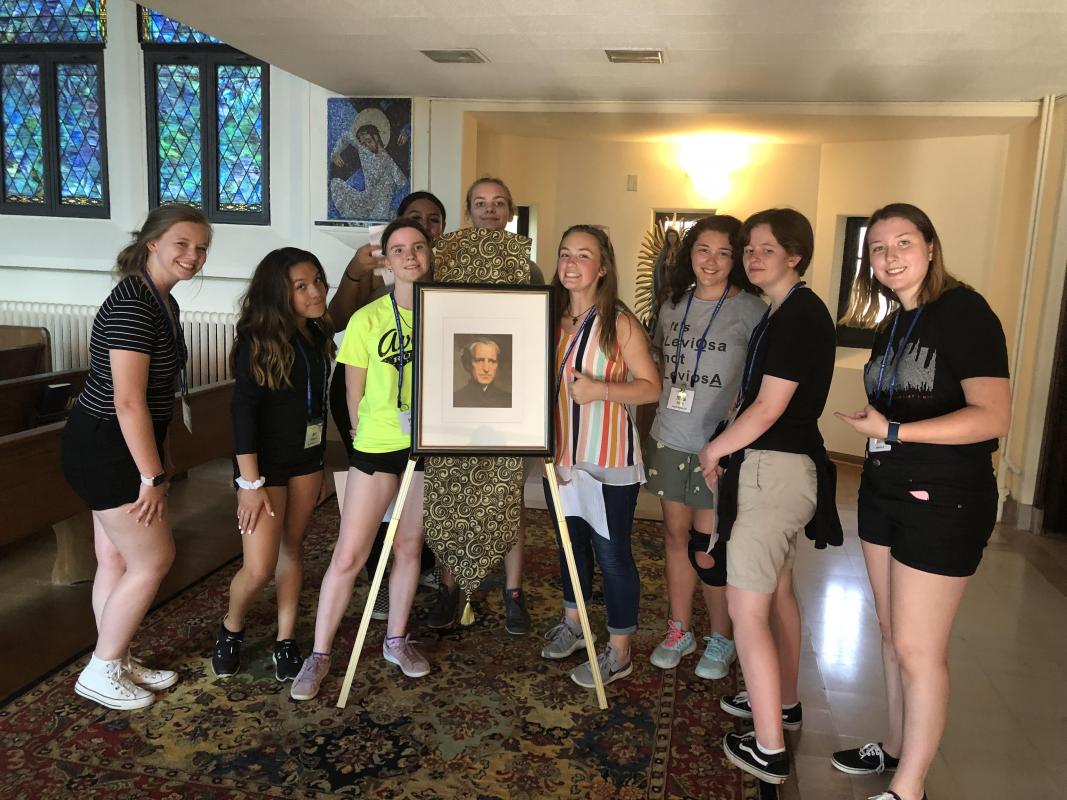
column 956, row 337
column 796, row 343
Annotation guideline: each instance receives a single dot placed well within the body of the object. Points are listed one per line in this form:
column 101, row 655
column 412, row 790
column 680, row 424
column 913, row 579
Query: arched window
column 52, row 134
column 207, row 106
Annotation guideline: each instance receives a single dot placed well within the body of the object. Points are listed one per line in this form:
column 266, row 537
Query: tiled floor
column 1007, row 731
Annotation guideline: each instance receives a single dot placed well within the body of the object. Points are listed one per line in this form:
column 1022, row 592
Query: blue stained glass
column 240, row 120
column 78, row 111
column 53, row 21
column 159, row 29
column 23, row 154
column 178, row 118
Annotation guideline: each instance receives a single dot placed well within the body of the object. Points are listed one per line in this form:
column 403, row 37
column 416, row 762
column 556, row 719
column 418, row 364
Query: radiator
column 208, row 336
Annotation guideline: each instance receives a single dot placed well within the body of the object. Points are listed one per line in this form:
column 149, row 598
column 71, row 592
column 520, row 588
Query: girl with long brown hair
column 604, row 365
column 281, row 366
column 113, row 445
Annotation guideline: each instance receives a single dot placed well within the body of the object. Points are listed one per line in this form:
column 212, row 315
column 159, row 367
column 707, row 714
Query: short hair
column 466, row 355
column 399, row 224
column 790, row 228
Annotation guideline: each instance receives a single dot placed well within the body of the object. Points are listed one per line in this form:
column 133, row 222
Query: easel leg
column 379, row 572
column 572, row 569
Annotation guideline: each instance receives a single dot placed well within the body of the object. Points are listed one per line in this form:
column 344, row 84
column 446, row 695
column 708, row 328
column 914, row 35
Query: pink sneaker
column 309, row 679
column 401, row 651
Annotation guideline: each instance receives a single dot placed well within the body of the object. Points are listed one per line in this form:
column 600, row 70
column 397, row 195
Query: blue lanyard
column 577, row 335
column 897, row 359
column 176, row 331
column 325, row 377
column 702, row 342
column 753, row 348
column 400, row 341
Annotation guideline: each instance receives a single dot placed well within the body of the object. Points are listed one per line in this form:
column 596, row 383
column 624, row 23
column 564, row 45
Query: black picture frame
column 447, row 313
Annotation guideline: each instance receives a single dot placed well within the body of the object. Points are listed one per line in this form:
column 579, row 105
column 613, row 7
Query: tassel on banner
column 467, row 618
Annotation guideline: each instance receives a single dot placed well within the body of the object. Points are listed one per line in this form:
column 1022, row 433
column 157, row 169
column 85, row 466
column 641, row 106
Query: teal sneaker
column 719, row 655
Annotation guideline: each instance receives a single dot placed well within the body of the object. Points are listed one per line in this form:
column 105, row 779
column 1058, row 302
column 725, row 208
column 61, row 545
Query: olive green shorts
column 676, row 476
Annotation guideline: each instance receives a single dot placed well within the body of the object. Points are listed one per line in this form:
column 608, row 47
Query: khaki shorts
column 676, row 476
column 775, row 500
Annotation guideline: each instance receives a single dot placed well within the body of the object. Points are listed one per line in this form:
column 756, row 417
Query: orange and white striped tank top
column 598, row 437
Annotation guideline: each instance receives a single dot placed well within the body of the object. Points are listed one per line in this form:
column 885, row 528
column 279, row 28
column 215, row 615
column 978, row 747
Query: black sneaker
column 226, row 660
column 445, row 611
column 287, row 660
column 738, row 706
column 516, row 617
column 870, row 759
column 743, row 751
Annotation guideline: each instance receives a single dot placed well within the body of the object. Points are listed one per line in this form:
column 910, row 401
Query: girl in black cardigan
column 281, row 366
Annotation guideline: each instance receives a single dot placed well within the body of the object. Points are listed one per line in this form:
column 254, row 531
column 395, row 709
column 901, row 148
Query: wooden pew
column 21, row 398
column 24, row 350
column 34, row 494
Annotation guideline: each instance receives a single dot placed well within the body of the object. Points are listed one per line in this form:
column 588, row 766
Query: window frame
column 208, row 58
column 847, row 335
column 47, row 57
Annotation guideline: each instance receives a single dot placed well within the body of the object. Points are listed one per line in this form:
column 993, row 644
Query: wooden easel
column 387, row 546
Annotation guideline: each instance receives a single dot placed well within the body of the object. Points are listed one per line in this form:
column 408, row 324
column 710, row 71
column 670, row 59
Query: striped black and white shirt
column 131, row 319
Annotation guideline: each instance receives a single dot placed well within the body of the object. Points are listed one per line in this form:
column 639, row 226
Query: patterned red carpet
column 492, row 720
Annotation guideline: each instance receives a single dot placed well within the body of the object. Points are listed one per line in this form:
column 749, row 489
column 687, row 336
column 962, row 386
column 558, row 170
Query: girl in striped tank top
column 603, row 365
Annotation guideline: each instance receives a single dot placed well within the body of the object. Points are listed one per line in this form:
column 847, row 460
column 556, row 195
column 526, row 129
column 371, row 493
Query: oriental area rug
column 493, row 719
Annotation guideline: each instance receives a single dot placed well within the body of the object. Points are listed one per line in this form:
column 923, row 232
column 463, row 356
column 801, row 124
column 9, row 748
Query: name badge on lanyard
column 881, row 445
column 681, row 397
column 316, row 425
column 403, row 411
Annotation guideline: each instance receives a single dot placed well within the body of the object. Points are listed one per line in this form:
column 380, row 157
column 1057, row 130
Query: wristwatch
column 250, row 485
column 155, row 480
column 893, row 435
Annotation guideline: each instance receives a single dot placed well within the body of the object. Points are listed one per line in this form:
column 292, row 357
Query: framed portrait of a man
column 483, row 358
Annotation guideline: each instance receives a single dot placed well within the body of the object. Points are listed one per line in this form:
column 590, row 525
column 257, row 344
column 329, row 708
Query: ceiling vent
column 635, row 56
column 455, row 56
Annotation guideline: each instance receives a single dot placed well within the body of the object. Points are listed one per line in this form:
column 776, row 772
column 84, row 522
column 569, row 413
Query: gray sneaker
column 719, row 655
column 563, row 640
column 309, row 679
column 610, row 665
column 401, row 651
column 675, row 644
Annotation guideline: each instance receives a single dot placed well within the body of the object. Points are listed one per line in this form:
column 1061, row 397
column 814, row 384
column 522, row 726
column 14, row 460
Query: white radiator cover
column 208, row 335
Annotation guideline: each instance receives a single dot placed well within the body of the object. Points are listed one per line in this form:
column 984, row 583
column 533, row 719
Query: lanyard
column 176, row 331
column 325, row 377
column 702, row 342
column 897, row 359
column 757, row 339
column 400, row 340
column 577, row 335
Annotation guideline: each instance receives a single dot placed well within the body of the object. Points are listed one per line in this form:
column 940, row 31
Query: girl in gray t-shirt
column 700, row 341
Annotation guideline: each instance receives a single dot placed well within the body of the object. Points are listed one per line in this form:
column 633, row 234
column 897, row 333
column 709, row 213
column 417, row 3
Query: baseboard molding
column 845, row 458
column 1027, row 518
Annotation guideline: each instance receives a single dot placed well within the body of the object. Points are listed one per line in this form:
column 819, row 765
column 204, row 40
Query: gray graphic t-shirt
column 715, row 382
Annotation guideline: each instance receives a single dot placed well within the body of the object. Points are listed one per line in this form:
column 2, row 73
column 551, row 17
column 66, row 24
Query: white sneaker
column 154, row 680
column 107, row 683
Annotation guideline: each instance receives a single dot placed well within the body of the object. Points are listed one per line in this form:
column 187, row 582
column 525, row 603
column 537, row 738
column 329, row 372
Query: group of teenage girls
column 734, row 454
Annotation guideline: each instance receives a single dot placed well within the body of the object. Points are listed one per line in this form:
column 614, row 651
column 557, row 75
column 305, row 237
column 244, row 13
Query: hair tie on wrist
column 354, row 280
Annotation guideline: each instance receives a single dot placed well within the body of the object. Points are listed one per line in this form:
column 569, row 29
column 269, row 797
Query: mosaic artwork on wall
column 53, row 22
column 368, row 145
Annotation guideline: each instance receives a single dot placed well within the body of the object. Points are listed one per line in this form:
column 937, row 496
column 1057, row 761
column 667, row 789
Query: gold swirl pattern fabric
column 473, row 504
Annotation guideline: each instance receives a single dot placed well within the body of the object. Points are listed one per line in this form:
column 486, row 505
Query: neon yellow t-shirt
column 371, row 342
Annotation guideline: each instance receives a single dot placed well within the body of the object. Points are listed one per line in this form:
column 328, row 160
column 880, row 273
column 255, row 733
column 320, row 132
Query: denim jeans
column 622, row 584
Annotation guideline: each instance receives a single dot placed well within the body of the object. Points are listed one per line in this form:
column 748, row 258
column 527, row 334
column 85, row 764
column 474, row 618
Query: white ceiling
column 722, row 50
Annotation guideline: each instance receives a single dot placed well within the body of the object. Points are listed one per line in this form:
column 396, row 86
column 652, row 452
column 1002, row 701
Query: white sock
column 98, row 663
column 791, row 706
column 768, row 750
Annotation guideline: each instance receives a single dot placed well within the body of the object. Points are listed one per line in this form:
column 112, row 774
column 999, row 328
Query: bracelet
column 354, row 280
column 605, row 391
column 250, row 485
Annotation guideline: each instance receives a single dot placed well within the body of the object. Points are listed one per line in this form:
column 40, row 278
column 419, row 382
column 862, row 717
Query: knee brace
column 700, row 544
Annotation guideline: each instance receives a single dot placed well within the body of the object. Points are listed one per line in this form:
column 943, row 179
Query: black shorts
column 97, row 463
column 944, row 529
column 393, row 462
column 278, row 474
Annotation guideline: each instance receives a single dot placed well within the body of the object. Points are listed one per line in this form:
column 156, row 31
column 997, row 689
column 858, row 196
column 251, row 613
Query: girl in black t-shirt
column 113, row 445
column 777, row 482
column 281, row 366
column 938, row 400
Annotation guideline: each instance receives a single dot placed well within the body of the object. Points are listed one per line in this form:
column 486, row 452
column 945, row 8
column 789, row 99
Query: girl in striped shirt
column 603, row 365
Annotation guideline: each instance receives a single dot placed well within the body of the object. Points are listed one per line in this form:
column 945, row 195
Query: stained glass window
column 78, row 114
column 20, row 90
column 53, row 21
column 159, row 29
column 210, row 132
